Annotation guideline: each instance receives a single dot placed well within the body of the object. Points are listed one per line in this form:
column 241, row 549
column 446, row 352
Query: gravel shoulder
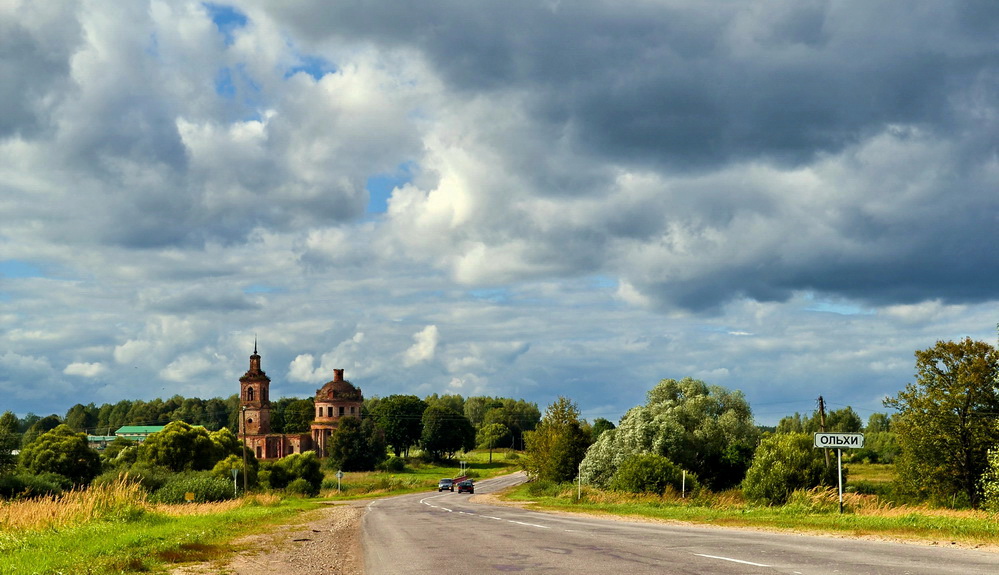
column 323, row 542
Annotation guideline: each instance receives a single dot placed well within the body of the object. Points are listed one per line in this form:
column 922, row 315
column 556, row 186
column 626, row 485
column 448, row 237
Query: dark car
column 445, row 484
column 466, row 485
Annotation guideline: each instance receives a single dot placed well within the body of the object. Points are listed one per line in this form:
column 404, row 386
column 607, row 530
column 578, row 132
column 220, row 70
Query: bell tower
column 254, row 399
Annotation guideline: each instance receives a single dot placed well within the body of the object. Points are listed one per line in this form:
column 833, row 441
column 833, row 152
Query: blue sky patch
column 19, row 269
column 227, row 19
column 313, row 66
column 380, row 186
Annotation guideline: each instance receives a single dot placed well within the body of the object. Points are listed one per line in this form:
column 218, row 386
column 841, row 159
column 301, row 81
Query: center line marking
column 732, row 560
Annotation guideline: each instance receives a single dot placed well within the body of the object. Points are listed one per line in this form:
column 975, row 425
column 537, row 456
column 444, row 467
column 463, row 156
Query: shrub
column 393, row 465
column 784, row 463
column 27, row 485
column 206, row 488
column 650, row 473
column 302, row 486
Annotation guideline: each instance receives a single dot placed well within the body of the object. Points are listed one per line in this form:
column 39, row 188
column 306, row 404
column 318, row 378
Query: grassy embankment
column 114, row 529
column 812, row 512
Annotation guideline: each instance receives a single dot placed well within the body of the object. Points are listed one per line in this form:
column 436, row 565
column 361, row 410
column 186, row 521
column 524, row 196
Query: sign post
column 839, row 442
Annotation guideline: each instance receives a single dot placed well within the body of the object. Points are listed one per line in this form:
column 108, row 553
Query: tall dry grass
column 120, row 500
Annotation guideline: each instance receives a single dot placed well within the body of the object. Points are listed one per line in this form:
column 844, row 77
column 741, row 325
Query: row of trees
column 944, row 438
column 440, row 425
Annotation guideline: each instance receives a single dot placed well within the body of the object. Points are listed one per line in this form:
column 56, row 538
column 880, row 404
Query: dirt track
column 323, row 542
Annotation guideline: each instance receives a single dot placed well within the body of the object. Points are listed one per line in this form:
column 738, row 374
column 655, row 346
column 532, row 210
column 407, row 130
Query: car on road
column 445, row 484
column 466, row 485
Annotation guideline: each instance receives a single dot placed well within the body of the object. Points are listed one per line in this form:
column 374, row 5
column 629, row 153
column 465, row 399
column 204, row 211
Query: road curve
column 444, row 533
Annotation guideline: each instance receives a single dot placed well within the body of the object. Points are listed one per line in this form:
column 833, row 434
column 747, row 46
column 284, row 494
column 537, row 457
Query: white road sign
column 839, row 440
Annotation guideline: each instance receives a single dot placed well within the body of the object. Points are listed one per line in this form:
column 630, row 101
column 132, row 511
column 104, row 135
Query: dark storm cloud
column 695, row 85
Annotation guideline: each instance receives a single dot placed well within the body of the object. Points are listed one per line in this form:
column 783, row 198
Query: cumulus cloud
column 585, row 197
column 85, row 369
column 425, row 347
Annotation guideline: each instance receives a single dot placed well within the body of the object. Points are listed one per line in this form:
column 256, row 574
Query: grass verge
column 814, row 512
column 150, row 539
column 420, row 476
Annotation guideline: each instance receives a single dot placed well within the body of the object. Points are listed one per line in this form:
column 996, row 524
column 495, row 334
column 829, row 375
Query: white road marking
column 529, row 524
column 732, row 560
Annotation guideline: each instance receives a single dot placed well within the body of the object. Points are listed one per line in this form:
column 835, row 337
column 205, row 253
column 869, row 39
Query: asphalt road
column 445, row 533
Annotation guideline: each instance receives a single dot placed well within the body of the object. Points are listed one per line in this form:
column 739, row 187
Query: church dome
column 339, row 389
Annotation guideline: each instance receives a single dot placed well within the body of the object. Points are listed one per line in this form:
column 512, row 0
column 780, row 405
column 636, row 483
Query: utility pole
column 822, row 424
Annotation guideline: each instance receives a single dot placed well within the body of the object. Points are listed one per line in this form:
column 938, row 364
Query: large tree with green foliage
column 401, row 417
column 557, row 446
column 784, row 463
column 62, row 451
column 10, row 440
column 708, row 430
column 356, row 445
column 946, row 420
column 491, row 436
column 445, row 431
column 180, row 446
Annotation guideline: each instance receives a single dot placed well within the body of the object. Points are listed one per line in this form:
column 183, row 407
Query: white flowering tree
column 708, row 430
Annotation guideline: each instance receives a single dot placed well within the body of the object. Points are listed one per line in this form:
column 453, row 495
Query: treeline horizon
column 288, row 414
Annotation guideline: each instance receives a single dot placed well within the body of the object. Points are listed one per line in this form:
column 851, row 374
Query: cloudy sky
column 522, row 198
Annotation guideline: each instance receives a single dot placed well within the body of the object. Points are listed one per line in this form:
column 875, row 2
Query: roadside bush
column 150, row 477
column 302, row 487
column 784, row 463
column 206, row 488
column 279, row 474
column 546, row 488
column 990, row 482
column 393, row 465
column 27, row 485
column 651, row 473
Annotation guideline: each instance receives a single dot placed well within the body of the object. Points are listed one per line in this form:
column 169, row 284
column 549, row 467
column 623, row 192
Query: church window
column 249, row 394
column 341, row 411
column 329, row 411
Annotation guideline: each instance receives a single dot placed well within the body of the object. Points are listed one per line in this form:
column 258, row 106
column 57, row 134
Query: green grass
column 420, row 476
column 812, row 512
column 150, row 542
column 134, row 537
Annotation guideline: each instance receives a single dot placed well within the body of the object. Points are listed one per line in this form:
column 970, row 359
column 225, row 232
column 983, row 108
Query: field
column 816, row 511
column 114, row 529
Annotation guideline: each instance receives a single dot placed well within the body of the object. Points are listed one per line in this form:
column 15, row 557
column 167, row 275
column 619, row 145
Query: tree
column 40, row 426
column 706, row 429
column 10, row 439
column 786, row 462
column 878, row 422
column 946, row 420
column 356, row 445
column 843, row 420
column 651, row 473
column 490, row 436
column 518, row 415
column 401, row 417
column 180, row 447
column 299, row 414
column 557, row 446
column 82, row 417
column 62, row 451
column 445, row 431
column 990, row 482
column 601, row 425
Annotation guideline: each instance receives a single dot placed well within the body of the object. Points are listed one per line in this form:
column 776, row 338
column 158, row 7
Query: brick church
column 336, row 399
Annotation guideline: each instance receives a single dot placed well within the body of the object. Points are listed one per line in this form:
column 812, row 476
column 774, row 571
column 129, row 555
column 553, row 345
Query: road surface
column 445, row 533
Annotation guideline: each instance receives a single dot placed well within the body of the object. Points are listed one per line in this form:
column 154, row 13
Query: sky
column 525, row 199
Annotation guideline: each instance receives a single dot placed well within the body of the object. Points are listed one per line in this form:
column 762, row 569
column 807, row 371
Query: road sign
column 839, row 440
